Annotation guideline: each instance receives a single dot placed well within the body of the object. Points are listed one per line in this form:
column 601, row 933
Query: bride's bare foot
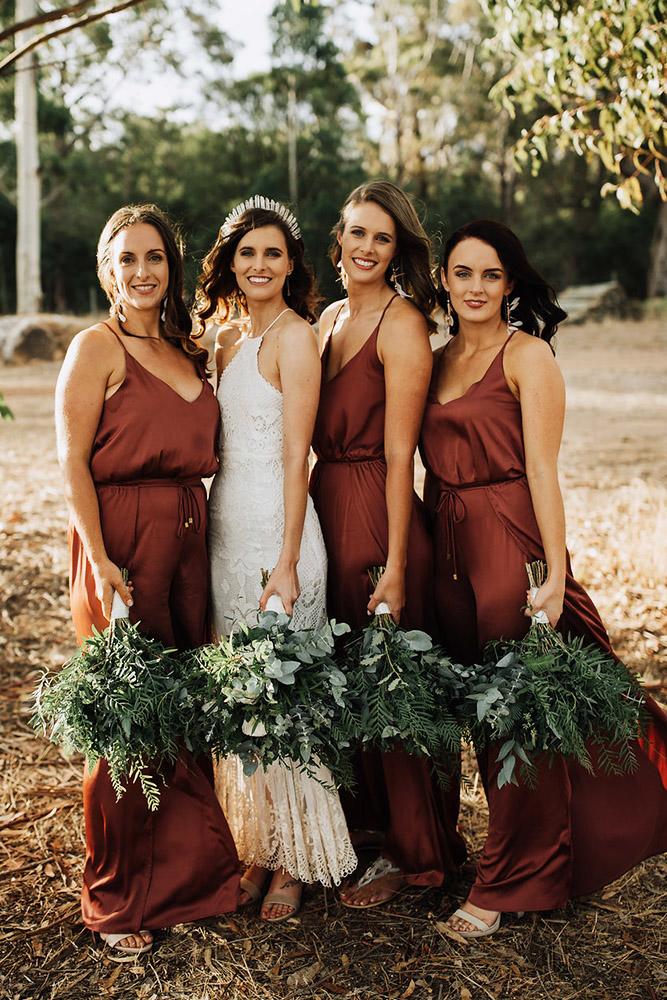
column 252, row 883
column 283, row 899
column 457, row 923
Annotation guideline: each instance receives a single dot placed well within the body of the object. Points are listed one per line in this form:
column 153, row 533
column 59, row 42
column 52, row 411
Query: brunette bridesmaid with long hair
column 376, row 366
column 490, row 441
column 137, row 428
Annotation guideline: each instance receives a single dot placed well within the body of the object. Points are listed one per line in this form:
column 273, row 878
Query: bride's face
column 261, row 264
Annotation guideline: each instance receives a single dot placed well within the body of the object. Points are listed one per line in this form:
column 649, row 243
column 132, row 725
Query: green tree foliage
column 594, row 74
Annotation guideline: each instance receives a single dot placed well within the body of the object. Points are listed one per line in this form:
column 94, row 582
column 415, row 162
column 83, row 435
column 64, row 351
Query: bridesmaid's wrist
column 395, row 569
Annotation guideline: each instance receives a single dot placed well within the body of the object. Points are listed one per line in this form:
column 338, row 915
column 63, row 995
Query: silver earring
column 163, row 314
column 118, row 306
column 449, row 319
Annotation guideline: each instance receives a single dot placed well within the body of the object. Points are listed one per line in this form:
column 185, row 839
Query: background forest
column 355, row 90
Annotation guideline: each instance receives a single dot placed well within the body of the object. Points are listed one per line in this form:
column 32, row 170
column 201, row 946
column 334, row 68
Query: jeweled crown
column 269, row 205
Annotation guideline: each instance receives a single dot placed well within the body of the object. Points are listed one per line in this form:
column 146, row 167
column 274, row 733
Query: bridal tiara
column 269, row 205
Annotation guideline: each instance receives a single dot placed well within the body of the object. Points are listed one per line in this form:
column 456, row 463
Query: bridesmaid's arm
column 405, row 352
column 532, row 371
column 87, row 372
column 299, row 370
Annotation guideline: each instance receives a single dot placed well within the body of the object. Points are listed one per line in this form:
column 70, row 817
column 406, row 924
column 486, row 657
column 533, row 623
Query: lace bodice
column 251, row 435
column 247, row 514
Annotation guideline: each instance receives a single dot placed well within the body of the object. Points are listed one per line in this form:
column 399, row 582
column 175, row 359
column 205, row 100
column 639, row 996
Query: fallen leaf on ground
column 305, row 976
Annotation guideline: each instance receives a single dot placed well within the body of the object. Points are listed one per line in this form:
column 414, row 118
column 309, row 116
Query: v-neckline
column 188, row 402
column 478, row 381
column 328, row 381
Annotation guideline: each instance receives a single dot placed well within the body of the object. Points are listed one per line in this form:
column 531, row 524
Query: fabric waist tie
column 350, row 460
column 451, row 507
column 188, row 508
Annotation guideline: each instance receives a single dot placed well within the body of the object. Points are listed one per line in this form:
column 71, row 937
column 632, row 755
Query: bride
column 260, row 517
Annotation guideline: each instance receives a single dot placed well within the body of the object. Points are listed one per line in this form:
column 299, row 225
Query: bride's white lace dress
column 279, row 817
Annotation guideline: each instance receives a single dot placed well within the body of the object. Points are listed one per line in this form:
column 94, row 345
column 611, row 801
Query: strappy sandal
column 380, row 867
column 252, row 890
column 112, row 941
column 281, row 898
column 483, row 929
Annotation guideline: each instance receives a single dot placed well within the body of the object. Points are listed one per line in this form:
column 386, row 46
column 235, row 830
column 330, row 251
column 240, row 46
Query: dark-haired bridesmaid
column 490, row 442
column 376, row 369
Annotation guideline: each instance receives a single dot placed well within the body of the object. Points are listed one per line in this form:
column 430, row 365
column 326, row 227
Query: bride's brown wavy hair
column 177, row 323
column 413, row 255
column 218, row 293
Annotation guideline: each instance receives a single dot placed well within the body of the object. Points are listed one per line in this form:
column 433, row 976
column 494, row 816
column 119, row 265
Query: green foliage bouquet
column 400, row 689
column 541, row 693
column 122, row 698
column 268, row 693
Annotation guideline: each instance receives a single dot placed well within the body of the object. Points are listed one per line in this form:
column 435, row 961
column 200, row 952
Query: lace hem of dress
column 282, row 818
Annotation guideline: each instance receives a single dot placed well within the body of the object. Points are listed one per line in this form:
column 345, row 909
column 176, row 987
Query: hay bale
column 42, row 336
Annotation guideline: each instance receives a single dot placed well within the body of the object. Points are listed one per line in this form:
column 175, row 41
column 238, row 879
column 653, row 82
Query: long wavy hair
column 176, row 326
column 537, row 308
column 218, row 294
column 413, row 254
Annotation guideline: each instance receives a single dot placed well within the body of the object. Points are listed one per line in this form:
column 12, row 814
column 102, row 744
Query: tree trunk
column 28, row 277
column 657, row 275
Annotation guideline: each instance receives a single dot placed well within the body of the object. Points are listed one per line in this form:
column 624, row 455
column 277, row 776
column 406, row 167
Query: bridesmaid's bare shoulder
column 530, row 359
column 403, row 333
column 524, row 349
column 327, row 319
column 96, row 350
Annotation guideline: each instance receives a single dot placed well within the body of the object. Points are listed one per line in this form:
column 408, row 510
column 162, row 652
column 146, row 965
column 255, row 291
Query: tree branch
column 47, row 36
column 52, row 15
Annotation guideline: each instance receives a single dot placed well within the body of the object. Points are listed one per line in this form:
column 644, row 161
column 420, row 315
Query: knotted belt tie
column 451, row 507
column 189, row 515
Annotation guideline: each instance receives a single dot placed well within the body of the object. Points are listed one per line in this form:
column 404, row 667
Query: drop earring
column 449, row 319
column 163, row 314
column 512, row 324
column 118, row 308
column 287, row 286
column 395, row 275
column 342, row 274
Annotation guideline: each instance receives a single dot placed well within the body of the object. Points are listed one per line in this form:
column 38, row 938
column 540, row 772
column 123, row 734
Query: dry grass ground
column 612, row 945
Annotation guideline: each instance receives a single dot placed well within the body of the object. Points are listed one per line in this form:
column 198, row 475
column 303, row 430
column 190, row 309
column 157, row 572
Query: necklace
column 272, row 323
column 137, row 336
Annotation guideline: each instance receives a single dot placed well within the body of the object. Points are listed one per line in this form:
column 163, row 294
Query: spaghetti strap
column 394, row 296
column 505, row 343
column 109, row 327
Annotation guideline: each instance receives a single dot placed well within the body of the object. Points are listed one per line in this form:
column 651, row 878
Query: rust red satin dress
column 575, row 833
column 151, row 449
column 396, row 792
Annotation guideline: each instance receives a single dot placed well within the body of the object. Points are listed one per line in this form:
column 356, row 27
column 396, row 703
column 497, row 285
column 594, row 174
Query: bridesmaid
column 490, row 442
column 137, row 425
column 376, row 365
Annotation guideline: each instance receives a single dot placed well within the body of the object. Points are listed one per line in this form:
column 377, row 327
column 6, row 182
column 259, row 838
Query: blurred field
column 614, row 473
